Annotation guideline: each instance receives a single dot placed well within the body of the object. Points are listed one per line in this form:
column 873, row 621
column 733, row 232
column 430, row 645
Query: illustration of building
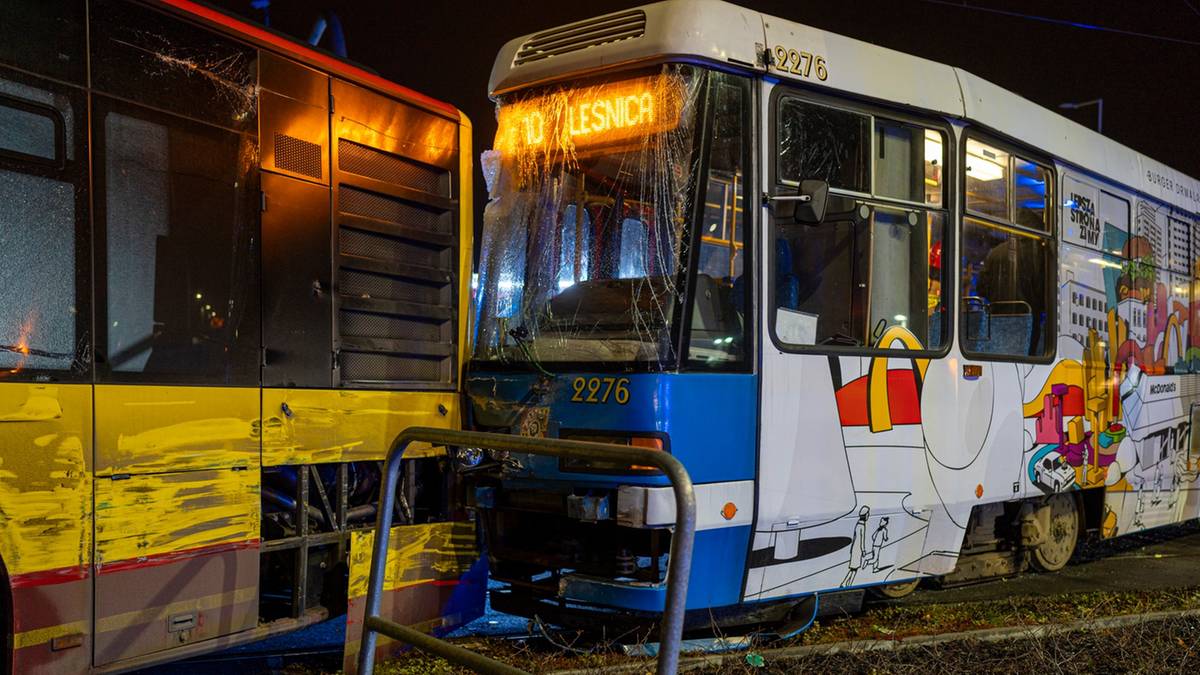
column 1083, row 308
column 1134, row 312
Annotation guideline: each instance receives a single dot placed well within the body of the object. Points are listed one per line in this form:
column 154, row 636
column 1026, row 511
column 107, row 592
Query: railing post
column 679, row 568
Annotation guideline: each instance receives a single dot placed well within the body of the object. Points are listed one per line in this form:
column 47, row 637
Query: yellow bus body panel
column 342, row 425
column 149, row 515
column 45, row 479
column 154, row 429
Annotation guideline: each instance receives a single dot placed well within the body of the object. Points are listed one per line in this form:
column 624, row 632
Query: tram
column 230, row 270
column 897, row 322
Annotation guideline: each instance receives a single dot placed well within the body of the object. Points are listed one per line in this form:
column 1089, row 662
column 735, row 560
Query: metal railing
column 671, row 627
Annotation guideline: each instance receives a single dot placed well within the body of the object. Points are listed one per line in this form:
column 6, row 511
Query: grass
column 1169, row 645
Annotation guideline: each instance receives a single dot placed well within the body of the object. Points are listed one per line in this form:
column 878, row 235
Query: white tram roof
column 722, row 32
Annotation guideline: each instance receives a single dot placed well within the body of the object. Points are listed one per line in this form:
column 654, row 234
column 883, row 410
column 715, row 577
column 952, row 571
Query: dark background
column 1150, row 85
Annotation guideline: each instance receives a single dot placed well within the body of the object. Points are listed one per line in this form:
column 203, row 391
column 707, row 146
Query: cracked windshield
column 583, row 233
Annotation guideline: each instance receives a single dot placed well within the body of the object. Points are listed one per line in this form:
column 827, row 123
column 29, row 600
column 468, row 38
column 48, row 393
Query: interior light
column 933, row 146
column 983, row 169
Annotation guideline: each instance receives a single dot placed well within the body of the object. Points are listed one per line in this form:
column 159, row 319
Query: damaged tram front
column 611, row 306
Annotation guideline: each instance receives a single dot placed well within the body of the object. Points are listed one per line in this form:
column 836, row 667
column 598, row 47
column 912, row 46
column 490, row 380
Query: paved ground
column 1163, row 558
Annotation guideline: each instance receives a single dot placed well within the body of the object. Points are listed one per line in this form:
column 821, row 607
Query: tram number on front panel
column 600, row 390
column 804, row 64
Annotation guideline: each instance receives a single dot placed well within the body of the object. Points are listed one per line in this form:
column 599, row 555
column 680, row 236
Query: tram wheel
column 897, row 590
column 1063, row 534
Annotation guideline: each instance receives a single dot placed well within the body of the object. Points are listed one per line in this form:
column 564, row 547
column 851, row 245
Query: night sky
column 1151, row 87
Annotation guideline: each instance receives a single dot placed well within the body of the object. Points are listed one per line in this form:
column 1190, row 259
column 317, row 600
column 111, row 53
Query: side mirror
column 807, row 206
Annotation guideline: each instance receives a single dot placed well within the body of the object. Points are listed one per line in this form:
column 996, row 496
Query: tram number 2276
column 600, row 390
column 804, row 64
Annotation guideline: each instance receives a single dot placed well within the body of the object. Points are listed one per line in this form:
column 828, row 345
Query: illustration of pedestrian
column 858, row 545
column 878, row 539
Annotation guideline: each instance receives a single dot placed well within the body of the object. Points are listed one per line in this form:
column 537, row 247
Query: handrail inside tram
column 671, row 627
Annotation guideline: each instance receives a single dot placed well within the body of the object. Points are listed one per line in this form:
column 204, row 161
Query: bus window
column 44, row 244
column 142, row 55
column 573, row 249
column 30, row 131
column 718, row 321
column 176, row 213
column 47, row 37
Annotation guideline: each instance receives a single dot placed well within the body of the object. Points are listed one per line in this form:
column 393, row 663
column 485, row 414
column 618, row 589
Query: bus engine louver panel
column 395, row 251
column 582, row 35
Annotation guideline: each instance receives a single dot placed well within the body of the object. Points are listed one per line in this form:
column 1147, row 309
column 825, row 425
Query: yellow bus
column 231, row 268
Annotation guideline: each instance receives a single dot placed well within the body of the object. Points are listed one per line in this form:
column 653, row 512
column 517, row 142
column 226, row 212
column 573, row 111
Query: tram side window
column 870, row 275
column 43, row 236
column 819, row 142
column 1008, row 267
column 176, row 213
column 718, row 319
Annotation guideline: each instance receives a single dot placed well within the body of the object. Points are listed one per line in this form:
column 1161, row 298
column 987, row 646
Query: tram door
column 856, row 318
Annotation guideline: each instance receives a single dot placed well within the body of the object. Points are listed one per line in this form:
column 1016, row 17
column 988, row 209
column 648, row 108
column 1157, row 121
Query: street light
column 1098, row 102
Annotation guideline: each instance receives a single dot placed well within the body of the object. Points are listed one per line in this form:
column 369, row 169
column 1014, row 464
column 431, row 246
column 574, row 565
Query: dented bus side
column 231, row 273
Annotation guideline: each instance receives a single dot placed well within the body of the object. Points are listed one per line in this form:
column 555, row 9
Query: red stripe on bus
column 60, row 575
column 333, row 64
column 174, row 556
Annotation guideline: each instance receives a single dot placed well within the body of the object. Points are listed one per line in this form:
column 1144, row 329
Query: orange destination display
column 567, row 119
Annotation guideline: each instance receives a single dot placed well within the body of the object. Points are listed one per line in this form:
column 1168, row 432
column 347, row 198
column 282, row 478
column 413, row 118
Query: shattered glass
column 142, row 55
column 823, row 143
column 584, row 238
column 37, row 223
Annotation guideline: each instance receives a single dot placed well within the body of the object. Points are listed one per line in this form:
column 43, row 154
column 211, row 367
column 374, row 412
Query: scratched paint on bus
column 143, row 429
column 45, row 485
column 306, row 426
column 154, row 514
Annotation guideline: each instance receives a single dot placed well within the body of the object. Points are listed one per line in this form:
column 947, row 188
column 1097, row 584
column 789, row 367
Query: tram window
column 718, row 321
column 149, row 57
column 175, row 211
column 1030, row 194
column 632, row 263
column 908, row 162
column 987, row 180
column 818, row 142
column 1005, row 291
column 573, row 248
column 846, row 283
column 47, row 37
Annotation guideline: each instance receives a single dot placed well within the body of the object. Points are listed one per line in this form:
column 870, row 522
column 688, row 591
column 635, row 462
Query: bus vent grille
column 582, row 35
column 390, row 168
column 298, row 156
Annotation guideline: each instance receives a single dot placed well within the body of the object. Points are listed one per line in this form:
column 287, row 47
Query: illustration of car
column 1053, row 472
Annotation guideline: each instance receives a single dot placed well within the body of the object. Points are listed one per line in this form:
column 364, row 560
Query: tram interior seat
column 994, row 333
